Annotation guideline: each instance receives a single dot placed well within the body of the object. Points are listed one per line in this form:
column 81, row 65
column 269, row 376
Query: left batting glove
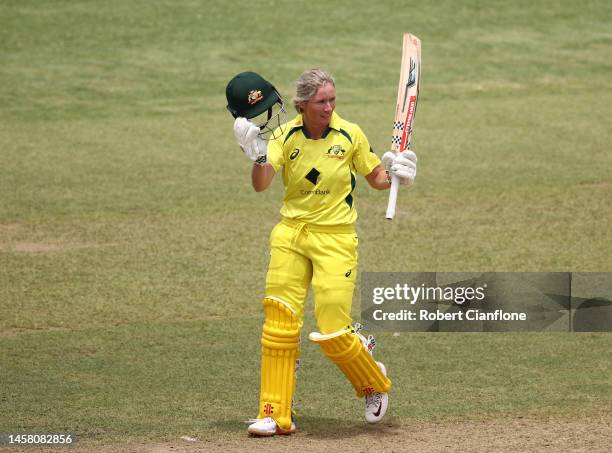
column 403, row 165
column 247, row 135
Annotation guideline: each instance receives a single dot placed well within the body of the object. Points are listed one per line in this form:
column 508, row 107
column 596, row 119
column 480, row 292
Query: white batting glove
column 403, row 165
column 247, row 135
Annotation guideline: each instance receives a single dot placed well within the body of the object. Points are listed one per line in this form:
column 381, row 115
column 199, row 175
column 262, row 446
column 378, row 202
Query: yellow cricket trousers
column 325, row 257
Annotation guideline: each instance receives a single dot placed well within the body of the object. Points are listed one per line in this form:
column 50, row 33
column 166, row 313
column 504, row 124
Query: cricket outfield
column 133, row 250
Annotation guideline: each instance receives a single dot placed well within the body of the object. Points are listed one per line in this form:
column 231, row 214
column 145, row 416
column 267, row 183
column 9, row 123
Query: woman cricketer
column 319, row 155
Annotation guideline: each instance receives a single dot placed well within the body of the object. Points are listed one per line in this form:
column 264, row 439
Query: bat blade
column 405, row 110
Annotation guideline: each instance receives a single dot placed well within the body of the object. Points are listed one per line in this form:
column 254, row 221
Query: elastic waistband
column 341, row 229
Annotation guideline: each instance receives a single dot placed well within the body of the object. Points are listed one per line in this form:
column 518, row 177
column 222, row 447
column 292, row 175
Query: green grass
column 160, row 380
column 133, row 250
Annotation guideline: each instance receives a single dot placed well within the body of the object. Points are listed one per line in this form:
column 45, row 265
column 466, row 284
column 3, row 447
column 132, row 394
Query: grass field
column 133, row 250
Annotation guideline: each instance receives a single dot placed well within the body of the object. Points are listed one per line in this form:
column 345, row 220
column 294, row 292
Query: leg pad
column 347, row 351
column 280, row 343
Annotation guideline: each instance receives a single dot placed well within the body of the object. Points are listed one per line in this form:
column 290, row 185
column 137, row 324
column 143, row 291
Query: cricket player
column 319, row 155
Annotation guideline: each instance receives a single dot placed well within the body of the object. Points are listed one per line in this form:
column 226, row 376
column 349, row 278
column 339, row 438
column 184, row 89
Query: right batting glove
column 247, row 135
column 402, row 165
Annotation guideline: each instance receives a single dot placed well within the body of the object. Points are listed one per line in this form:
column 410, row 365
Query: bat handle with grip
column 392, row 197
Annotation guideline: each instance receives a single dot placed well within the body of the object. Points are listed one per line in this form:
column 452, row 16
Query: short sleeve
column 364, row 159
column 276, row 156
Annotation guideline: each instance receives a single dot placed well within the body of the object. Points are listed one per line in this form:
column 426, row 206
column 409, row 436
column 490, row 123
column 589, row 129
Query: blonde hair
column 308, row 84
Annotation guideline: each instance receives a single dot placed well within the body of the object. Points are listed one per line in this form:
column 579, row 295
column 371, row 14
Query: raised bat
column 405, row 110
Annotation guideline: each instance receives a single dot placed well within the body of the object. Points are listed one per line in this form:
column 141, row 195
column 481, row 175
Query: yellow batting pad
column 280, row 347
column 346, row 350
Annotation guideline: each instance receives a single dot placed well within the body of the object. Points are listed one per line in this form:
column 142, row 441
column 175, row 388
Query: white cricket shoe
column 377, row 403
column 268, row 427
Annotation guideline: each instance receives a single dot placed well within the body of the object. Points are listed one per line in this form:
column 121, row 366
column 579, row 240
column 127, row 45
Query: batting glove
column 402, row 165
column 247, row 135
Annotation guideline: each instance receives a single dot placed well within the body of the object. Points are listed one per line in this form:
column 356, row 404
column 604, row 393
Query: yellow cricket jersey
column 319, row 175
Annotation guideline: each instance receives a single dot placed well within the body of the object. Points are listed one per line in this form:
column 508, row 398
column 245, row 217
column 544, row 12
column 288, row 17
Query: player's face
column 317, row 111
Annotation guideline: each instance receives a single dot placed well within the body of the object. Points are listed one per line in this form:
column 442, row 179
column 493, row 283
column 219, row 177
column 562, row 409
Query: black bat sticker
column 411, row 81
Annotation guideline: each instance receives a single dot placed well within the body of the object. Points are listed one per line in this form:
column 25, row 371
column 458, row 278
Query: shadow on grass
column 334, row 428
column 321, row 427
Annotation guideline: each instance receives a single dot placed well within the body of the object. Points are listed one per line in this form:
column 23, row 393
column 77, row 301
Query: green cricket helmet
column 249, row 95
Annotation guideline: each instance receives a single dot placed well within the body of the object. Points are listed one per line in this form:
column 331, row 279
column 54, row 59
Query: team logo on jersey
column 336, row 152
column 254, row 97
column 294, row 154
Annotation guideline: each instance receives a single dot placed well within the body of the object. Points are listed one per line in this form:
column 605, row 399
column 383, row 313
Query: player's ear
column 302, row 106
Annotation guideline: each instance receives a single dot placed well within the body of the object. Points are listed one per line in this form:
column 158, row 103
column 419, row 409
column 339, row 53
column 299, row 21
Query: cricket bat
column 407, row 95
